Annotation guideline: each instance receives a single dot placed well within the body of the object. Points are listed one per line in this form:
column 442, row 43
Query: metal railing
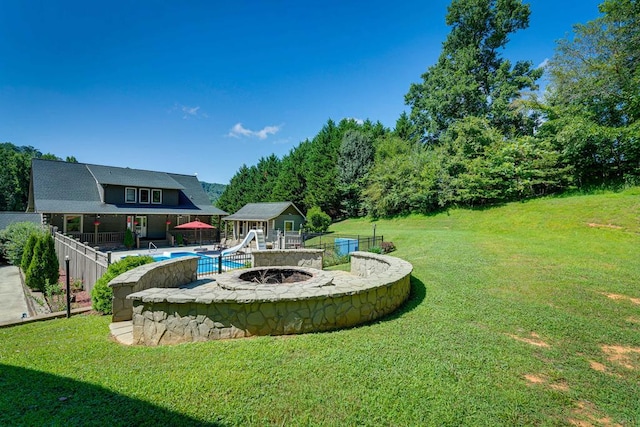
column 342, row 243
column 215, row 264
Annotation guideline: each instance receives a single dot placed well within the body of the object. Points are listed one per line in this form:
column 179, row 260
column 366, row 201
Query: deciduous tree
column 471, row 78
column 594, row 96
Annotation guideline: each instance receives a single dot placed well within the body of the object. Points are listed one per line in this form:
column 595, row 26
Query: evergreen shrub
column 27, row 252
column 43, row 267
column 102, row 294
column 128, row 239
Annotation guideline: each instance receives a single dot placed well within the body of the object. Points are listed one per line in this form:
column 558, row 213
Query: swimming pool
column 206, row 264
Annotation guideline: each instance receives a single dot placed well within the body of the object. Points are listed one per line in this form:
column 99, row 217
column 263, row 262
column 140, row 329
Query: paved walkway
column 13, row 303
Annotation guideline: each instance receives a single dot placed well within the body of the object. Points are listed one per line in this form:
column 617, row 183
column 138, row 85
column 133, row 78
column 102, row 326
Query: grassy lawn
column 524, row 314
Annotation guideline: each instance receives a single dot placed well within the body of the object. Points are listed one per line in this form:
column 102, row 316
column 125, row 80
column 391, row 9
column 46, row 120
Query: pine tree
column 43, row 268
column 27, row 252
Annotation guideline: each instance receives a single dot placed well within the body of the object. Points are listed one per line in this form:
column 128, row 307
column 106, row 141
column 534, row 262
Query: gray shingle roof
column 125, row 176
column 192, row 189
column 57, row 184
column 260, row 211
column 61, row 187
column 7, row 218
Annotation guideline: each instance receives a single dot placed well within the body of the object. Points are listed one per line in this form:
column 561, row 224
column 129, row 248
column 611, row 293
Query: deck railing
column 100, row 238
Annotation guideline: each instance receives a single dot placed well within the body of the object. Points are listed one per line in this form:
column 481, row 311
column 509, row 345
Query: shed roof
column 261, row 211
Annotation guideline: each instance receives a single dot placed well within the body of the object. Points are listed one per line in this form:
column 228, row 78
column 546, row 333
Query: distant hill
column 213, row 190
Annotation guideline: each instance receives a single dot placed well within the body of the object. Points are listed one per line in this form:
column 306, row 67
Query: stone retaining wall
column 279, row 257
column 366, row 264
column 165, row 274
column 379, row 285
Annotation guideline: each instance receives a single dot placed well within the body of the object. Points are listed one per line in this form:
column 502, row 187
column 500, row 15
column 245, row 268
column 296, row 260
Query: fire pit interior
column 275, row 276
column 270, row 277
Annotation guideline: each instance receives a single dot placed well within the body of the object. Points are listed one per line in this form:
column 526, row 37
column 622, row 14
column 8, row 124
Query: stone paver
column 122, row 332
column 13, row 303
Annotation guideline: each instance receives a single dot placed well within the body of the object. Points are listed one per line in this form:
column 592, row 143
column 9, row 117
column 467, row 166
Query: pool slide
column 252, row 234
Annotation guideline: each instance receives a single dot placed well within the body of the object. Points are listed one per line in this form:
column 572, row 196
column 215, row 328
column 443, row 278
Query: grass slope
column 523, row 314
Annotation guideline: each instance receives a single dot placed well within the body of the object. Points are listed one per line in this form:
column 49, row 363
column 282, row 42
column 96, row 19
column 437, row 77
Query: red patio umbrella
column 195, row 225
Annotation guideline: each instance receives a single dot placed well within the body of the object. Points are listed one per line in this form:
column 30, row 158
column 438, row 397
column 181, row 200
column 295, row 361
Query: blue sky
column 205, row 86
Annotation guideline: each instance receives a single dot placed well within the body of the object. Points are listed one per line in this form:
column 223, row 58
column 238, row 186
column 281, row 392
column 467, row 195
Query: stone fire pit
column 248, row 302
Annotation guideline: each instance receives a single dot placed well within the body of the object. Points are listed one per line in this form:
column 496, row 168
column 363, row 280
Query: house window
column 156, row 196
column 130, row 195
column 144, row 195
column 288, row 226
column 73, row 223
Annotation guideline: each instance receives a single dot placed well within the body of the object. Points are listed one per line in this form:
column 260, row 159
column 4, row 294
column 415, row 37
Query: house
column 283, row 217
column 97, row 204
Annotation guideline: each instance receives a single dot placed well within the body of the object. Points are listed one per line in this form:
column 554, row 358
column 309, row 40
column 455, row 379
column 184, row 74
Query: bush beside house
column 14, row 238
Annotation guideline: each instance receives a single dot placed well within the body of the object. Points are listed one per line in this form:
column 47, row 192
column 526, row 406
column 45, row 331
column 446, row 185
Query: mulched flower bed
column 79, row 297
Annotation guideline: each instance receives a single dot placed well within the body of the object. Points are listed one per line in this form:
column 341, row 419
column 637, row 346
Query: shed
column 271, row 217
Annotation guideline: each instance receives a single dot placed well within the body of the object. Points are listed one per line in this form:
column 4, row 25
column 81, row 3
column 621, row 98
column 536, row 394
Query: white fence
column 85, row 263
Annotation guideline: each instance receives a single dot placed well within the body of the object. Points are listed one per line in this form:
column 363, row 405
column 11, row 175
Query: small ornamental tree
column 27, row 252
column 128, row 239
column 317, row 221
column 43, row 268
column 102, row 294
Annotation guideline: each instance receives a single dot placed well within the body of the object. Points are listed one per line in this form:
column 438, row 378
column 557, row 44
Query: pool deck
column 196, row 249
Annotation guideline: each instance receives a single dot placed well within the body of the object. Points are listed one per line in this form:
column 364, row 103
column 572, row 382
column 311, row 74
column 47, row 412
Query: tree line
column 477, row 133
column 15, row 174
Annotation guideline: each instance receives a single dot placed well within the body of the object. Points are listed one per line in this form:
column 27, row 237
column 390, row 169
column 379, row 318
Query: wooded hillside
column 477, row 133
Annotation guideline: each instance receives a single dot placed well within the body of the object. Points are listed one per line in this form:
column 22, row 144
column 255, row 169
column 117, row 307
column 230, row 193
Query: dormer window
column 130, row 195
column 156, row 196
column 144, row 195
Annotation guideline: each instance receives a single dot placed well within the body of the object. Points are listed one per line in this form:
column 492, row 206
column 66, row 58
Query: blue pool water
column 206, row 264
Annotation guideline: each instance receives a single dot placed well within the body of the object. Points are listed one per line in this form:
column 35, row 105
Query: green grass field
column 525, row 314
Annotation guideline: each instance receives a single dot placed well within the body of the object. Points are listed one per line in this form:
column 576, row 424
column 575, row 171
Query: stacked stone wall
column 296, row 257
column 165, row 274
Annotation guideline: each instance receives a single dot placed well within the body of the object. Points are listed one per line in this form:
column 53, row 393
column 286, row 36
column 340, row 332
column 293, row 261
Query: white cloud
column 355, row 119
column 189, row 112
column 238, row 130
column 544, row 63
